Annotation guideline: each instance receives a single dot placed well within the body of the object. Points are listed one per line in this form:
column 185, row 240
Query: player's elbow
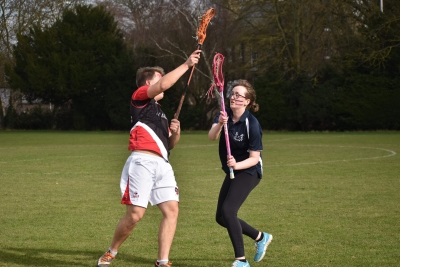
column 212, row 136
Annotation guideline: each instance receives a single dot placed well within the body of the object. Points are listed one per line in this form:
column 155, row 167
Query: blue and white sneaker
column 238, row 263
column 261, row 246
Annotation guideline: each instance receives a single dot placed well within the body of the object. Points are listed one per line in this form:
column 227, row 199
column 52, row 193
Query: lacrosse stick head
column 202, row 29
column 218, row 76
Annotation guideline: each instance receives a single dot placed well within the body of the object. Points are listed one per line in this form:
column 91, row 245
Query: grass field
column 329, row 199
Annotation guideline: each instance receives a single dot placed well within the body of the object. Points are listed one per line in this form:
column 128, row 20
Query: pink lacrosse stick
column 218, row 79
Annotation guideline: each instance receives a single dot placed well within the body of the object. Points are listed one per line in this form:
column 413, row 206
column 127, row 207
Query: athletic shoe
column 106, row 259
column 261, row 246
column 168, row 264
column 238, row 263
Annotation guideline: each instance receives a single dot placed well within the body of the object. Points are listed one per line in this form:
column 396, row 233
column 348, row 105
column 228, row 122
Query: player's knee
column 170, row 210
column 135, row 214
column 220, row 221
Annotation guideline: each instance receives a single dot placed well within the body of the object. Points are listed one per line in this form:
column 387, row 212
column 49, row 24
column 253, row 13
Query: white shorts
column 147, row 178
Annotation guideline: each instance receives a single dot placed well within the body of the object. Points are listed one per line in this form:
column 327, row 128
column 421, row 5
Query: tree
column 162, row 32
column 16, row 16
column 81, row 63
column 299, row 53
column 313, row 60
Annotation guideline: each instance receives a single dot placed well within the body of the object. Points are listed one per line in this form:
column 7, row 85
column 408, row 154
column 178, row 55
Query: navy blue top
column 241, row 141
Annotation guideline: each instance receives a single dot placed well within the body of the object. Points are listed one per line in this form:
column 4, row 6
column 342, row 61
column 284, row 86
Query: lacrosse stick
column 200, row 36
column 218, row 79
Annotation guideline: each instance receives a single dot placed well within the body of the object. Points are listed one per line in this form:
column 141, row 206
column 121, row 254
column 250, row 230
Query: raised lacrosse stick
column 200, row 36
column 219, row 81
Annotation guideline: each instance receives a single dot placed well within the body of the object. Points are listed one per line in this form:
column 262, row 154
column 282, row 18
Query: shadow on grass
column 39, row 257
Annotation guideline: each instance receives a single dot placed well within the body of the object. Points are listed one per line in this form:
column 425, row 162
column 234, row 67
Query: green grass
column 329, row 199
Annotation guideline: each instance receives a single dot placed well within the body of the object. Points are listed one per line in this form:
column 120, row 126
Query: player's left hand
column 175, row 126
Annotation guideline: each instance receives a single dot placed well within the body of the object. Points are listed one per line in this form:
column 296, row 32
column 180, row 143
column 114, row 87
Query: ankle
column 260, row 237
column 113, row 252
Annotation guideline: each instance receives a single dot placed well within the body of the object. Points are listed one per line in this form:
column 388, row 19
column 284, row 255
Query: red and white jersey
column 143, row 137
column 151, row 128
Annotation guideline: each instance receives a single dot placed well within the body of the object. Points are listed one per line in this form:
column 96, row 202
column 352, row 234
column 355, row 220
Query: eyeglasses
column 237, row 95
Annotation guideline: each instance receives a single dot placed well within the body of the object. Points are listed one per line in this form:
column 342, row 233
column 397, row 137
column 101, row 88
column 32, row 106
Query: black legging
column 231, row 196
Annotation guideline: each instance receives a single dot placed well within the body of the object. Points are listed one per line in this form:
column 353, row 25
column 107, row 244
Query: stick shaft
column 227, row 143
column 177, row 114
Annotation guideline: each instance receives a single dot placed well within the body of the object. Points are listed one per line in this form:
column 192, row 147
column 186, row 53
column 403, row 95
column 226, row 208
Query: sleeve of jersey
column 140, row 93
column 255, row 135
column 142, row 137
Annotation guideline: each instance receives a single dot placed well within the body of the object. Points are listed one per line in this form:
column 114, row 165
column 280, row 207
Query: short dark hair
column 147, row 73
